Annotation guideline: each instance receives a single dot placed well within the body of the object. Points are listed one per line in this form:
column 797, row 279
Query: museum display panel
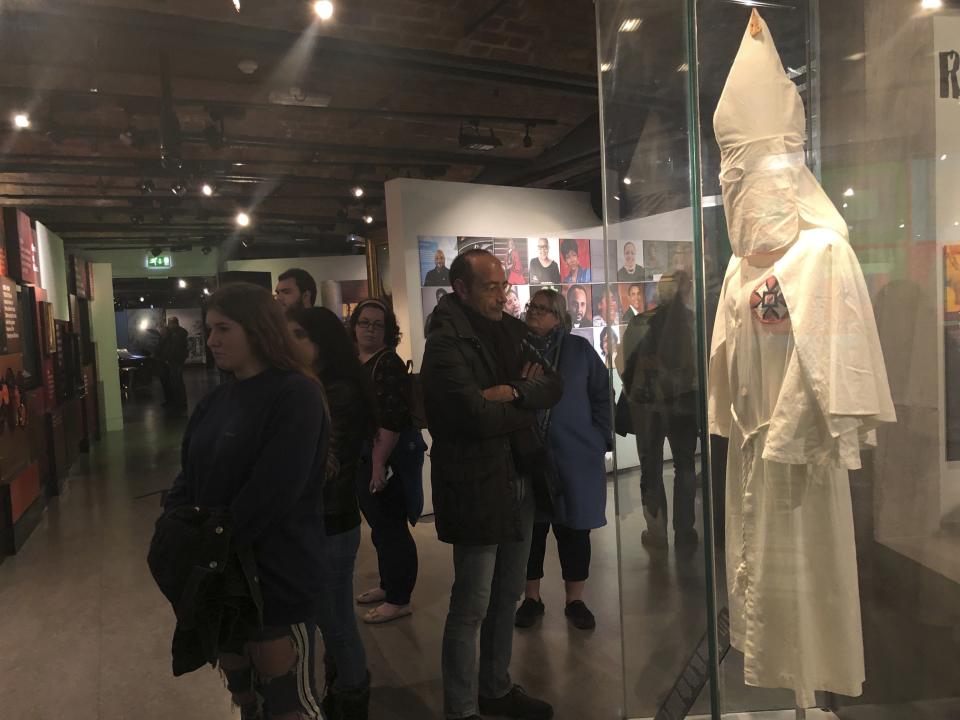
column 800, row 352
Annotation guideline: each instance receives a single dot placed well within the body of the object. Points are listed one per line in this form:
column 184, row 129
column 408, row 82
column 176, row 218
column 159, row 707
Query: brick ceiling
column 402, row 77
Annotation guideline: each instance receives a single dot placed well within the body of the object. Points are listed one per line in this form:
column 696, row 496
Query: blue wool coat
column 581, row 433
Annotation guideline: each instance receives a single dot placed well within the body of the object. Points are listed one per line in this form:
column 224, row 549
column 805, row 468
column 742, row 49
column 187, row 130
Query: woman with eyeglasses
column 383, row 499
column 578, row 434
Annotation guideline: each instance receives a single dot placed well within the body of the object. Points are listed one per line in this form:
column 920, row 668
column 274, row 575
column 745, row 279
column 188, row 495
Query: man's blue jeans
column 488, row 582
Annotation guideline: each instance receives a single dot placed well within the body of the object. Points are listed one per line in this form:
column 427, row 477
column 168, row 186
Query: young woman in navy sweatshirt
column 257, row 445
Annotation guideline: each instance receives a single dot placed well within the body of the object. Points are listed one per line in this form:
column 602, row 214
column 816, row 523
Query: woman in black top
column 324, row 342
column 383, row 502
column 257, row 446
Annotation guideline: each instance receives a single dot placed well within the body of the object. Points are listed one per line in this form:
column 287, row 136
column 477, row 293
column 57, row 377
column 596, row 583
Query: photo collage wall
column 574, row 267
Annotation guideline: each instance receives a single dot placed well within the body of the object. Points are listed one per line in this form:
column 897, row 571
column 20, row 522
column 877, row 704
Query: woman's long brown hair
column 255, row 310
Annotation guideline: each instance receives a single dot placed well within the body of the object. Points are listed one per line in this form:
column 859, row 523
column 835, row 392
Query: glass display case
column 784, row 176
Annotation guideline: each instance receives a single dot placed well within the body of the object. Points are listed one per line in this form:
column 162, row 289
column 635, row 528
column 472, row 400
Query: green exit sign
column 161, row 262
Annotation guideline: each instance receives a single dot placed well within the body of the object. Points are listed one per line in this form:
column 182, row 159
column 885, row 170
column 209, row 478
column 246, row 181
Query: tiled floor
column 84, row 634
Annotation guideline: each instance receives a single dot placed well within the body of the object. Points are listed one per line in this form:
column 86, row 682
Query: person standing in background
column 296, row 288
column 324, row 343
column 383, row 499
column 175, row 351
column 579, row 433
column 660, row 380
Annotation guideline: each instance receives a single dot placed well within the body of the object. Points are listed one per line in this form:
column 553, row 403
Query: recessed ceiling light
column 206, row 291
column 21, row 120
column 902, row 225
column 931, row 4
column 142, row 299
column 323, row 9
column 357, row 191
column 627, row 181
column 943, row 157
column 182, row 284
column 849, row 192
column 207, row 189
column 846, row 205
column 368, row 219
column 631, row 24
column 243, row 220
column 236, row 5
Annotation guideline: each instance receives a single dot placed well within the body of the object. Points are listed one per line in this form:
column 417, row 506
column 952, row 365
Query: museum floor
column 84, row 634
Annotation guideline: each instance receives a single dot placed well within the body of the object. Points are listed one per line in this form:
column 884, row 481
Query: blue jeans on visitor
column 335, row 612
column 488, row 582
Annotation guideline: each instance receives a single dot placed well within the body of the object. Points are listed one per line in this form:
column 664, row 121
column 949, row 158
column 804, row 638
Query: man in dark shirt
column 439, row 275
column 296, row 288
column 482, row 388
column 175, row 351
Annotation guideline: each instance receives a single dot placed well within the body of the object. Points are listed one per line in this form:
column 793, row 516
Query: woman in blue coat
column 579, row 434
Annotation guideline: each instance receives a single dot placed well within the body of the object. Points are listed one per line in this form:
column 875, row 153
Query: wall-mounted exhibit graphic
column 465, row 244
column 661, row 257
column 580, row 304
column 575, row 261
column 797, row 382
column 629, row 260
column 139, row 330
column 351, row 293
column 514, row 256
column 606, row 305
column 951, row 349
column 651, row 295
column 429, row 297
column 632, row 300
column 544, row 261
column 436, row 254
column 517, row 298
column 606, row 341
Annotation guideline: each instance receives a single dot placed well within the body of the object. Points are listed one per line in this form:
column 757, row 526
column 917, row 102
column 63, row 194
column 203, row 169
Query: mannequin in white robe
column 797, row 382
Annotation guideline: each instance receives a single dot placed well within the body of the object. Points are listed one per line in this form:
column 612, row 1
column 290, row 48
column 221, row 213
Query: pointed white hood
column 760, row 127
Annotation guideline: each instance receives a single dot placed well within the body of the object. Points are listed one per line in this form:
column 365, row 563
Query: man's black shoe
column 516, row 704
column 580, row 615
column 528, row 612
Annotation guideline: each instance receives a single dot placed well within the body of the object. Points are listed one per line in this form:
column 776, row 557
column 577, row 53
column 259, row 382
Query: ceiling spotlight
column 627, row 181
column 943, row 157
column 243, row 220
column 182, row 284
column 631, row 25
column 849, row 192
column 21, row 121
column 931, row 4
column 178, row 189
column 368, row 219
column 147, row 187
column 236, row 5
column 527, row 140
column 207, row 189
column 323, row 9
column 606, row 67
column 142, row 299
column 357, row 191
column 206, row 291
column 473, row 139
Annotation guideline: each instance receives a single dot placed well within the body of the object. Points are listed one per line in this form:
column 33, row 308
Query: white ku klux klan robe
column 798, row 384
